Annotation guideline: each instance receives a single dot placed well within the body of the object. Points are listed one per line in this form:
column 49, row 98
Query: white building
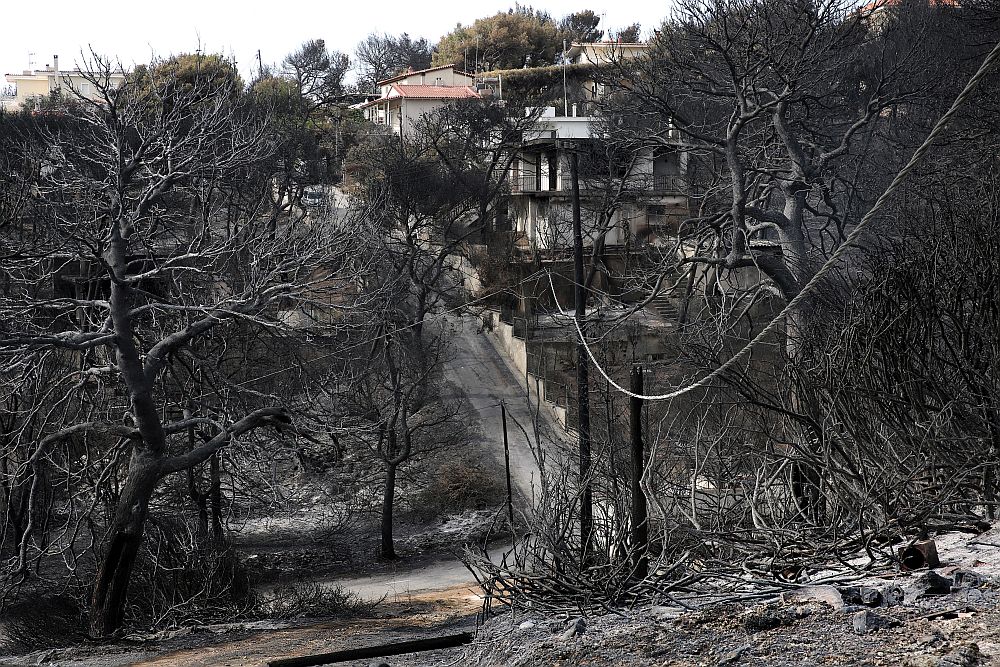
column 33, row 84
column 405, row 98
column 645, row 198
column 602, row 53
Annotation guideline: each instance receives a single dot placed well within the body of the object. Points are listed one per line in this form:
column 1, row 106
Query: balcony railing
column 641, row 183
column 524, row 183
column 662, row 183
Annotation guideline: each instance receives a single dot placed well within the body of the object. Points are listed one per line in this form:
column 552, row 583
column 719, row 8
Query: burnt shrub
column 182, row 578
column 39, row 623
column 456, row 486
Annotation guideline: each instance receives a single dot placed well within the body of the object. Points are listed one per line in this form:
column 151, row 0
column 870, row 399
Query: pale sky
column 134, row 29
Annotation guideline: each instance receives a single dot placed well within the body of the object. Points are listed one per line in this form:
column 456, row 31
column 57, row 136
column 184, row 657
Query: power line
column 369, row 341
column 850, row 241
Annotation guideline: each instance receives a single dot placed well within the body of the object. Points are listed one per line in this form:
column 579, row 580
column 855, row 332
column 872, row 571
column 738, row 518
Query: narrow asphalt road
column 478, row 370
column 485, row 379
column 447, row 577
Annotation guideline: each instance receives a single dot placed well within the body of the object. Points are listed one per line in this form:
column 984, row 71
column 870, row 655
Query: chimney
column 57, row 85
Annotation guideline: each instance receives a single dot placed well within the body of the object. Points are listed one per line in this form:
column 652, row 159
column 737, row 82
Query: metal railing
column 638, row 183
column 644, row 183
column 524, row 183
column 662, row 183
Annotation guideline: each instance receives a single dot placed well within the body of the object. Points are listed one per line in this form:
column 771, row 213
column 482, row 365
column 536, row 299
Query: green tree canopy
column 629, row 34
column 519, row 37
column 186, row 71
column 581, row 26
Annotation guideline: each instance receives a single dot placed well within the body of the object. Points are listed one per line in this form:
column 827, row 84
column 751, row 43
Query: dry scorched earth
column 949, row 617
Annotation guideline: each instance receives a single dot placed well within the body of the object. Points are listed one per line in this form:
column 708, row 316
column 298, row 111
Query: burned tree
column 148, row 235
column 433, row 192
column 777, row 106
column 424, row 198
column 304, row 99
column 381, row 56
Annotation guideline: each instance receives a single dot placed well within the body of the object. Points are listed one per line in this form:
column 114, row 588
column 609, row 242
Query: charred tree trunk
column 215, row 496
column 388, row 551
column 203, row 500
column 124, row 536
column 200, row 501
column 121, row 547
column 199, row 498
column 639, row 519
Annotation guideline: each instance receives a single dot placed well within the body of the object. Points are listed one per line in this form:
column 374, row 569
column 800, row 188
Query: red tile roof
column 420, row 92
column 877, row 5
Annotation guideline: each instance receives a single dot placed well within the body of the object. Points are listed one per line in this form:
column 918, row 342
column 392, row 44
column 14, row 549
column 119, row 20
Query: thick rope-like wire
column 851, row 239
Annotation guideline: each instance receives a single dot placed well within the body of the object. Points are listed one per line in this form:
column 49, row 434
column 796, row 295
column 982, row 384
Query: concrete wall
column 515, row 351
column 470, row 277
column 414, row 109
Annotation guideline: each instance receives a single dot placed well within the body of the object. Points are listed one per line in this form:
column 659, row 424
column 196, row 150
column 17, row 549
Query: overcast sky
column 133, row 29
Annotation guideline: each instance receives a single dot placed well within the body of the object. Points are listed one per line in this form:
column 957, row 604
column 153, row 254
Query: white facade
column 404, row 99
column 401, row 113
column 32, row 84
column 600, row 53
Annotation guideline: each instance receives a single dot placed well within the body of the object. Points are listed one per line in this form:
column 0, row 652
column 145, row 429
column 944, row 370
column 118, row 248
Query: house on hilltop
column 403, row 99
column 31, row 85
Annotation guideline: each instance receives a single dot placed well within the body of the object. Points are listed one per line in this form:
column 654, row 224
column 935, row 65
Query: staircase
column 664, row 306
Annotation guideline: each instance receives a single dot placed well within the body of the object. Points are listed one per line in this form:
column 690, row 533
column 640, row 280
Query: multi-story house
column 631, row 200
column 31, row 85
column 597, row 55
column 403, row 99
column 624, row 199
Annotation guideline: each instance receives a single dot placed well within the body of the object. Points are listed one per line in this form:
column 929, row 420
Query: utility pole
column 582, row 379
column 506, row 460
column 639, row 518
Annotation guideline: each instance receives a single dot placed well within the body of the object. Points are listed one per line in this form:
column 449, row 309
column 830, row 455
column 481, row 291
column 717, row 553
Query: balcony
column 642, row 184
column 524, row 183
column 661, row 184
column 8, row 101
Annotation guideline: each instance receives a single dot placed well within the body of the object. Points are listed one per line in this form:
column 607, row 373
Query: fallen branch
column 399, row 648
